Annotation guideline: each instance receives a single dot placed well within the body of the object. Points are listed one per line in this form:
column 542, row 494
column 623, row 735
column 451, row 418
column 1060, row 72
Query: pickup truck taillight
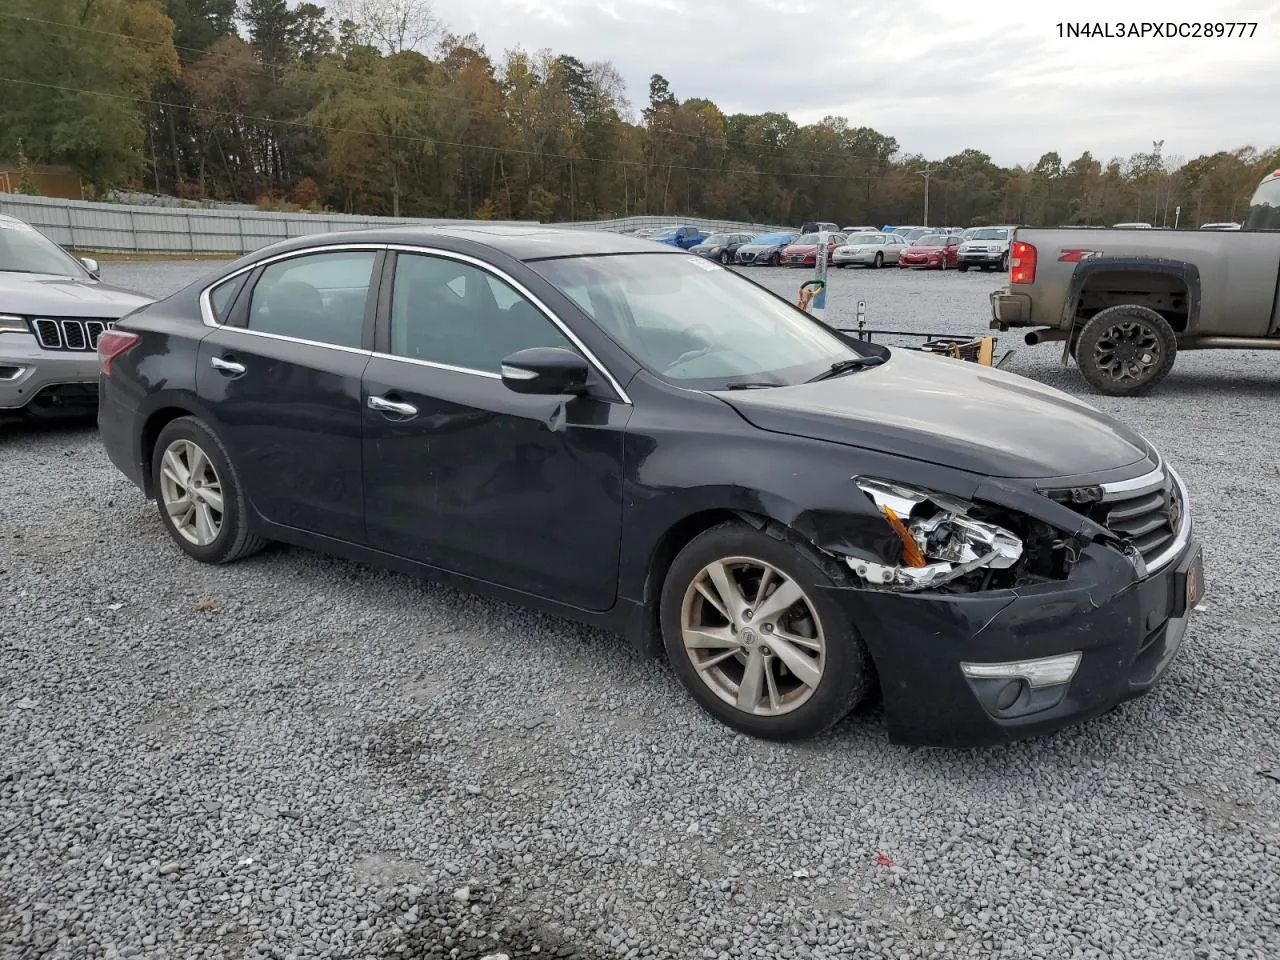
column 111, row 344
column 1022, row 262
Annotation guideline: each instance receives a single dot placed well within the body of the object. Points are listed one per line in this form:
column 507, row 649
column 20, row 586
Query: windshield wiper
column 750, row 385
column 844, row 366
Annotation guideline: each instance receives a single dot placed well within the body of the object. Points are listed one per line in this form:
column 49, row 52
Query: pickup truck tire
column 1004, row 262
column 1126, row 349
column 962, row 267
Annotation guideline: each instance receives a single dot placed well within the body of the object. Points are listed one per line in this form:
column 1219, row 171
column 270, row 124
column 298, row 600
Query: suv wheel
column 753, row 635
column 198, row 491
column 1004, row 262
column 1126, row 349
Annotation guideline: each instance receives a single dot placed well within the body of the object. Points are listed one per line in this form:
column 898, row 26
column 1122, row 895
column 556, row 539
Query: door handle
column 227, row 366
column 383, row 405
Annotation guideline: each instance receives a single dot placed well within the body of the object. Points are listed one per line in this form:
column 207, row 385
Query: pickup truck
column 1124, row 302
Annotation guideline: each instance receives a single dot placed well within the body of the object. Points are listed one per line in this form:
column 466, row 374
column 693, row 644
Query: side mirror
column 548, row 371
column 91, row 265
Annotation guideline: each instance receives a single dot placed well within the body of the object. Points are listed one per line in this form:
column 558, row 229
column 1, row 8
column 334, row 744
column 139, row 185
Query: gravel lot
column 297, row 756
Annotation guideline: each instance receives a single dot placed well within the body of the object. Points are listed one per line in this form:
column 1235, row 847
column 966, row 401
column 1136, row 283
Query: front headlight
column 11, row 324
column 943, row 538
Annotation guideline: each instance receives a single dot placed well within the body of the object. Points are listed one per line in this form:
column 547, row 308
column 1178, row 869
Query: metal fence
column 121, row 228
column 125, row 228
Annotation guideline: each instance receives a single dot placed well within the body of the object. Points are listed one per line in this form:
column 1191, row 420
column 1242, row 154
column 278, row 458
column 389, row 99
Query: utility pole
column 927, row 174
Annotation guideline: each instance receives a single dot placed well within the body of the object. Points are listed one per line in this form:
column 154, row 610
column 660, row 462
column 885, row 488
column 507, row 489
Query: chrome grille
column 746, row 256
column 1148, row 512
column 70, row 334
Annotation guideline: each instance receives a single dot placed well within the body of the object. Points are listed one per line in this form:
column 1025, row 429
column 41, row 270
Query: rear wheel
column 753, row 634
column 198, row 492
column 1126, row 349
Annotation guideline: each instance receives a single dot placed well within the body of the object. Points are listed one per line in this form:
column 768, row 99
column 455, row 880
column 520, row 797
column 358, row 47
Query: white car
column 869, row 250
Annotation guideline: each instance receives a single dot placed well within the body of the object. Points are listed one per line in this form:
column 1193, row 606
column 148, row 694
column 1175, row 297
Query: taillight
column 111, row 344
column 1022, row 262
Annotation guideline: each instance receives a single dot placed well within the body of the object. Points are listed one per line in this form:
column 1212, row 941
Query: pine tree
column 26, row 179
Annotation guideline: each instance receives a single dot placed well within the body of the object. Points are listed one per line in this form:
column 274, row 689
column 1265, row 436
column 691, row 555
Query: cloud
column 939, row 76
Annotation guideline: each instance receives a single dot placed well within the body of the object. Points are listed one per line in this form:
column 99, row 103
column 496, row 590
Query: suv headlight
column 943, row 537
column 12, row 324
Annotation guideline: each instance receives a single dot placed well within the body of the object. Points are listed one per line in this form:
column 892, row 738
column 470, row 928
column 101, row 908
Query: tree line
column 374, row 107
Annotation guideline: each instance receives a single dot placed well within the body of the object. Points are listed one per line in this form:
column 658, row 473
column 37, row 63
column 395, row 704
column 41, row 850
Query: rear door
column 282, row 379
column 466, row 475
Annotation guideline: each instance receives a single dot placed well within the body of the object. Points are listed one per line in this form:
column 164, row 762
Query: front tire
column 1004, row 262
column 878, row 262
column 962, row 267
column 198, row 492
column 725, row 259
column 1126, row 350
column 753, row 634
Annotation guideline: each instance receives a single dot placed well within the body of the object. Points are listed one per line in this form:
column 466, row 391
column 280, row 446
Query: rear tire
column 198, row 492
column 1126, row 350
column 755, row 647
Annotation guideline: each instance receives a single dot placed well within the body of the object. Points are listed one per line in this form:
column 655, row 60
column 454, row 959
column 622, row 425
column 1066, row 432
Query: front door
column 282, row 378
column 462, row 473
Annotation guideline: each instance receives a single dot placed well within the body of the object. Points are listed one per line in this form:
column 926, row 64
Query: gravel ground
column 298, row 756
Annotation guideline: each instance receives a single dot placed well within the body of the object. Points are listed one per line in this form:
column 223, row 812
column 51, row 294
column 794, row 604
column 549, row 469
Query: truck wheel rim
column 753, row 636
column 1128, row 351
column 191, row 493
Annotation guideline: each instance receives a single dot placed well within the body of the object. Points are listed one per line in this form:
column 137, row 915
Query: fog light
column 1042, row 672
column 1008, row 694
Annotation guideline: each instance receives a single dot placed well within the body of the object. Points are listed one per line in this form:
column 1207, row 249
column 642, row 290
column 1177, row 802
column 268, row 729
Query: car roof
column 516, row 241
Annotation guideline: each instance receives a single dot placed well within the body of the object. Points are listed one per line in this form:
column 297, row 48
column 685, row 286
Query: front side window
column 695, row 323
column 1264, row 208
column 318, row 296
column 448, row 312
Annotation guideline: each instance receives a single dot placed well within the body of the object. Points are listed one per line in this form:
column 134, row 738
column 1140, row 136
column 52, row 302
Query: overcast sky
column 938, row 75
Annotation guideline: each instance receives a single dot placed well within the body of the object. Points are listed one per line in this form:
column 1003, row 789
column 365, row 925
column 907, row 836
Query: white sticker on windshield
column 704, row 264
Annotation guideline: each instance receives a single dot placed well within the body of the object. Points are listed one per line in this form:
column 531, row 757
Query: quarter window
column 319, row 296
column 448, row 312
column 223, row 296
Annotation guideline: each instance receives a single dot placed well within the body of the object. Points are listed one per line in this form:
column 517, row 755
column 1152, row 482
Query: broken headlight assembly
column 954, row 543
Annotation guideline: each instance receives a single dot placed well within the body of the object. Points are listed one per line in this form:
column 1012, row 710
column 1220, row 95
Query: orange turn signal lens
column 911, row 554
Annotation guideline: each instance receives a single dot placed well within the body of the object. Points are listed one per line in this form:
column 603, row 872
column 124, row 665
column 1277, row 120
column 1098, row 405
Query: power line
column 263, row 69
column 432, row 141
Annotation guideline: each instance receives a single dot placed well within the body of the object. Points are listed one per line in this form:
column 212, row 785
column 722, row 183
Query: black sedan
column 793, row 515
column 721, row 246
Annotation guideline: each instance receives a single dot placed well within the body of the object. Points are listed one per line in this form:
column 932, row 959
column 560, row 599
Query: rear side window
column 223, row 296
column 319, row 297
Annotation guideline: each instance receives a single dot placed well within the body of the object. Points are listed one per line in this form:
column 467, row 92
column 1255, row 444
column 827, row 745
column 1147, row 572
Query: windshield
column 25, row 250
column 989, row 234
column 668, row 234
column 806, row 238
column 718, row 239
column 1264, row 208
column 858, row 238
column 931, row 240
column 694, row 322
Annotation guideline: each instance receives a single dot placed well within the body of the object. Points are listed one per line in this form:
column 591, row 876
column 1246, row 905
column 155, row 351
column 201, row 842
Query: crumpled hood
column 45, row 295
column 949, row 412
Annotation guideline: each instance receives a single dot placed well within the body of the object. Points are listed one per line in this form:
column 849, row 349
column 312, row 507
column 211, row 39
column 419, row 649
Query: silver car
column 869, row 250
column 53, row 308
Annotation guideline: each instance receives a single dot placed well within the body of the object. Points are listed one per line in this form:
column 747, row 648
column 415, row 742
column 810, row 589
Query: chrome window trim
column 208, row 319
column 437, row 366
column 299, row 340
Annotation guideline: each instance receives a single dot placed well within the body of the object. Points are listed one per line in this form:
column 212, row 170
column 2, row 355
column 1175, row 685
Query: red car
column 804, row 251
column 935, row 250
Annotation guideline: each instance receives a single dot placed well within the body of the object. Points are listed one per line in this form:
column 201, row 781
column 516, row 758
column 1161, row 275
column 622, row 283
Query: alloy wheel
column 191, row 492
column 753, row 636
column 1127, row 351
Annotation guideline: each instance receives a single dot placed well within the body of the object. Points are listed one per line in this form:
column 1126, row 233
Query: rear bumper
column 29, row 373
column 1010, row 309
column 121, row 438
column 1127, row 632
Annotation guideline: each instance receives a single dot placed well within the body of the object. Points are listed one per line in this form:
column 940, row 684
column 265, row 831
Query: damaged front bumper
column 974, row 669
